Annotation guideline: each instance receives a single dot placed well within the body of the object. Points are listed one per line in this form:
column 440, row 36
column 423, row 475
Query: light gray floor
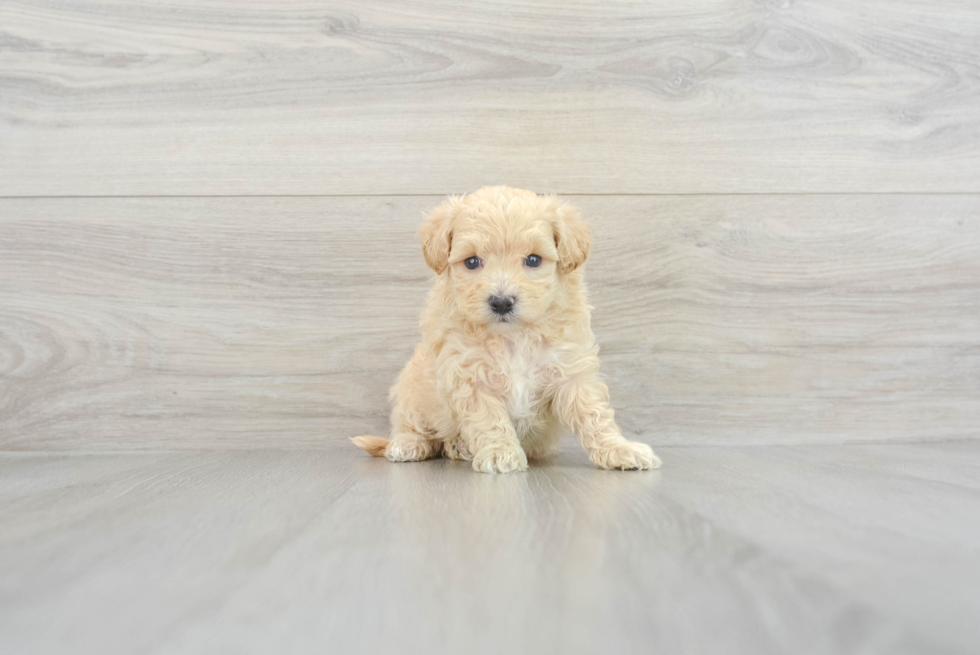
column 759, row 549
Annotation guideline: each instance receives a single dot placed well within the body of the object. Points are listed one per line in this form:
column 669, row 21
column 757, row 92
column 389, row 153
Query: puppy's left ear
column 437, row 237
column 572, row 238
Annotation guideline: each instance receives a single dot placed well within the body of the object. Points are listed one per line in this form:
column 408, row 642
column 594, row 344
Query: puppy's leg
column 412, row 438
column 455, row 448
column 582, row 403
column 543, row 442
column 487, row 431
column 410, row 447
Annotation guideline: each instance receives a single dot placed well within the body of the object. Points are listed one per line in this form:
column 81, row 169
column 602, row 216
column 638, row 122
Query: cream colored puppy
column 508, row 358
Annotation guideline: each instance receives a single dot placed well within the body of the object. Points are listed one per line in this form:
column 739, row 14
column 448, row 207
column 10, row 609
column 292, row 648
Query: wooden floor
column 209, row 278
column 765, row 549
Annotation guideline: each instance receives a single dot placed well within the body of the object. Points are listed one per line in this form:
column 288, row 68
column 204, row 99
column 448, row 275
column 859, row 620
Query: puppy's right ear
column 437, row 237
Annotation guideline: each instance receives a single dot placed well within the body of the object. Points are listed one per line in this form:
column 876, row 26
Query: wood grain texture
column 185, row 97
column 261, row 322
column 803, row 549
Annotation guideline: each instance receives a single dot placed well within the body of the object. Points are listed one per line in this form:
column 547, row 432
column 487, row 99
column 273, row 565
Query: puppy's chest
column 524, row 368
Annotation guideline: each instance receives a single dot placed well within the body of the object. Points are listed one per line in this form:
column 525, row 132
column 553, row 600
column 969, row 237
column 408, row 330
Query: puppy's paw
column 627, row 455
column 409, row 448
column 500, row 459
column 455, row 448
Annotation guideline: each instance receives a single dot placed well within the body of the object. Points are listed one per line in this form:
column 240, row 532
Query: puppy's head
column 507, row 254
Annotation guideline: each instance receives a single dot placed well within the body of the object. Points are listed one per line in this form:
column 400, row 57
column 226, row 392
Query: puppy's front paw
column 500, row 459
column 628, row 455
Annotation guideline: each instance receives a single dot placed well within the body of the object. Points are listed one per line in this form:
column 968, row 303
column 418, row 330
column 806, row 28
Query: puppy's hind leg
column 542, row 443
column 411, row 438
column 402, row 447
column 455, row 448
column 411, row 447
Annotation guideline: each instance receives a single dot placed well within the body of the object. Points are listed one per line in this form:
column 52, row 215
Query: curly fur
column 499, row 390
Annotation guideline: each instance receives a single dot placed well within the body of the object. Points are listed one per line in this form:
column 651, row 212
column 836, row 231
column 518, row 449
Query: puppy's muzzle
column 501, row 305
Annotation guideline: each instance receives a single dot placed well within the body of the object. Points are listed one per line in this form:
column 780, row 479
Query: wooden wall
column 208, row 208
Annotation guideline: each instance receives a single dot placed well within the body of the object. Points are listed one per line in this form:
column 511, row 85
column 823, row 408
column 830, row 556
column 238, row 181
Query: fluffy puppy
column 508, row 359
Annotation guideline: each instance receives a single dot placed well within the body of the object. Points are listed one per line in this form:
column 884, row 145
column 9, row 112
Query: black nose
column 501, row 304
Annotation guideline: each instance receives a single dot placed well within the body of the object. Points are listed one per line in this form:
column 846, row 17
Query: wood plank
column 245, row 322
column 819, row 491
column 816, row 549
column 73, row 526
column 203, row 97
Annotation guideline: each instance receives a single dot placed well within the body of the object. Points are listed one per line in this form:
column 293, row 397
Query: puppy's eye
column 533, row 260
column 472, row 263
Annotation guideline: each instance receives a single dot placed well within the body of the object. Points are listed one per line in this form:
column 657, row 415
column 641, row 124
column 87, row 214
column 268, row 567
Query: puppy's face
column 505, row 252
column 503, row 268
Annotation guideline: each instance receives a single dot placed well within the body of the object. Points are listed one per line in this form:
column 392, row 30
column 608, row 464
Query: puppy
column 508, row 359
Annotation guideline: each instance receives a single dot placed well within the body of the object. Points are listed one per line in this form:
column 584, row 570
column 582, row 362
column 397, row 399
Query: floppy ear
column 436, row 236
column 572, row 238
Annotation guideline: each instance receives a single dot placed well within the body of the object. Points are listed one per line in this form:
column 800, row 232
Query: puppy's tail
column 375, row 446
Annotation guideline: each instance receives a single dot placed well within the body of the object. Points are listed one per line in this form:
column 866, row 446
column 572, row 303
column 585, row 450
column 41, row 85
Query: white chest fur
column 523, row 362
